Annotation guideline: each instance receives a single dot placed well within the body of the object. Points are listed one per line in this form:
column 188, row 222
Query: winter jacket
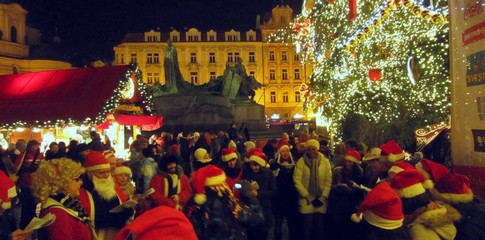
column 435, row 223
column 301, row 179
column 159, row 183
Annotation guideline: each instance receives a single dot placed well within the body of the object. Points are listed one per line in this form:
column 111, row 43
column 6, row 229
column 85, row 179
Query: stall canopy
column 67, row 95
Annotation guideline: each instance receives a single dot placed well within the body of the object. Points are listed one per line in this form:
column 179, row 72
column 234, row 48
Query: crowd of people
column 222, row 186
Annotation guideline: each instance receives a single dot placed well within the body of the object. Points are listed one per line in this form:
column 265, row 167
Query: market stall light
column 297, row 116
column 36, row 130
column 275, row 116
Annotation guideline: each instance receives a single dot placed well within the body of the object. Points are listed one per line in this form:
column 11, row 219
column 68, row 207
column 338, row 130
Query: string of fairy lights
column 390, row 62
column 108, row 108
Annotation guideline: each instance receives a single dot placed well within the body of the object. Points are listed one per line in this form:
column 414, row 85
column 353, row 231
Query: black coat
column 215, row 219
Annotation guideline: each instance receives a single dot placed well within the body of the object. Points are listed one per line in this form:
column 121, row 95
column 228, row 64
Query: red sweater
column 25, row 179
column 66, row 226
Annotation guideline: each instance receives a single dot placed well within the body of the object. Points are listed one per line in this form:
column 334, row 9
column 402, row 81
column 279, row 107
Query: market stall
column 62, row 105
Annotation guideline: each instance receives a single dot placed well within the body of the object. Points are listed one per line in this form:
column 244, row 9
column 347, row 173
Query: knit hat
column 352, row 156
column 160, row 221
column 392, row 150
column 409, row 183
column 258, row 157
column 248, row 145
column 232, row 144
column 431, row 170
column 312, row 143
column 122, row 170
column 381, row 208
column 199, row 155
column 400, row 166
column 228, row 154
column 7, row 190
column 95, row 161
column 454, row 188
column 206, row 176
column 373, row 153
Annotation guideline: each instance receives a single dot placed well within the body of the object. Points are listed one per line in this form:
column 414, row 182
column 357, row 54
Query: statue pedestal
column 207, row 112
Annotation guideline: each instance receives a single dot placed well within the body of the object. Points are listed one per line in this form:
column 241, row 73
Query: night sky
column 93, row 27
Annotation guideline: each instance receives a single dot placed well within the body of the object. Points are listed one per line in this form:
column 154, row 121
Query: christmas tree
column 383, row 62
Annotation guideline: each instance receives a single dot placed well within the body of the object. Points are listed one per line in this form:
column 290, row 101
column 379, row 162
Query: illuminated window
column 212, row 75
column 251, row 73
column 133, row 58
column 272, row 96
column 271, row 55
column 149, row 58
column 236, row 57
column 156, row 58
column 193, row 38
column 230, row 57
column 251, row 57
column 212, row 57
column 285, row 96
column 175, row 38
column 284, row 74
column 156, row 77
column 122, row 59
column 297, row 96
column 193, row 58
column 296, row 57
column 297, row 74
column 150, row 78
column 283, row 56
column 212, row 38
column 272, row 74
column 194, row 78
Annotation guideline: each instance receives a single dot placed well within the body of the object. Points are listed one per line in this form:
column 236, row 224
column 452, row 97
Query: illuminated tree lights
column 389, row 64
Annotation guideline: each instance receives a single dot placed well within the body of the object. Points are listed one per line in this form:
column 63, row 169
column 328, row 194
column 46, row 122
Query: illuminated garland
column 385, row 40
column 107, row 108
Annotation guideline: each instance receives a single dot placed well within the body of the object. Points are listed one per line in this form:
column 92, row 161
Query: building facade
column 15, row 41
column 203, row 56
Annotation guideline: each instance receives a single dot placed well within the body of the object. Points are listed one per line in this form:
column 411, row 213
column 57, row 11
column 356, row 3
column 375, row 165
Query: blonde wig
column 54, row 176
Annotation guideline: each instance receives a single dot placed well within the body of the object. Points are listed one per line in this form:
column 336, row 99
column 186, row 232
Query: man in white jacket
column 313, row 181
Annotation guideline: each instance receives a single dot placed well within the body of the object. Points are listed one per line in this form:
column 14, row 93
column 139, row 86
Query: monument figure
column 173, row 76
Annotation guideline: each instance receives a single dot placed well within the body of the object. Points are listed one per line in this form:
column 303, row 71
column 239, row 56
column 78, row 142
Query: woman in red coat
column 57, row 185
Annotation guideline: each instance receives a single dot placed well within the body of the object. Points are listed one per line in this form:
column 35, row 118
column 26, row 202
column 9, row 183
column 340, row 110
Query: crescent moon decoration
column 412, row 79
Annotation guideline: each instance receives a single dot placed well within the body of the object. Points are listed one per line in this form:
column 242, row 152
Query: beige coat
column 301, row 178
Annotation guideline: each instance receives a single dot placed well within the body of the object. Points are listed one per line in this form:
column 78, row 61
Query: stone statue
column 235, row 83
column 173, row 76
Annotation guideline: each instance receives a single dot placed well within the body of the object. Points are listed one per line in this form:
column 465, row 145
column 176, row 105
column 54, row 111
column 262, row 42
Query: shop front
column 66, row 105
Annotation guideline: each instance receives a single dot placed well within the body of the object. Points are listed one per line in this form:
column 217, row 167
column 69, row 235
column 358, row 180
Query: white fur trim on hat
column 260, row 161
column 6, row 205
column 410, row 191
column 228, row 157
column 122, row 170
column 356, row 218
column 200, row 198
column 380, row 222
column 395, row 157
column 452, row 197
column 98, row 167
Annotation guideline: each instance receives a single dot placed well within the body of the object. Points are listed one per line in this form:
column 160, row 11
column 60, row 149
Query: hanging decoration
column 375, row 74
column 352, row 9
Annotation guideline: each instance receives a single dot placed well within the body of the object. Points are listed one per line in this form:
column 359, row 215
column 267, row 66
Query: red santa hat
column 228, row 154
column 260, row 158
column 7, row 190
column 400, row 166
column 431, row 170
column 160, row 222
column 353, row 156
column 392, row 150
column 95, row 161
column 207, row 176
column 173, row 149
column 284, row 145
column 454, row 188
column 381, row 208
column 409, row 183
